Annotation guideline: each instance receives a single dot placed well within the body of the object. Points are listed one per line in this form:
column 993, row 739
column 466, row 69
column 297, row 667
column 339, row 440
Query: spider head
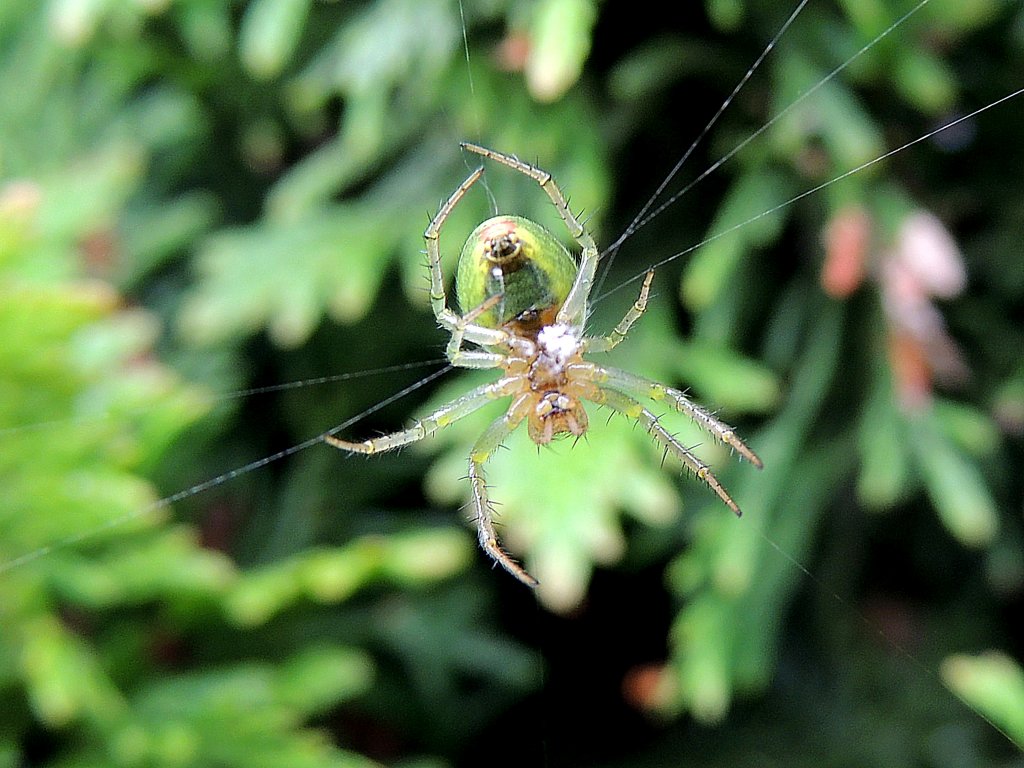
column 520, row 260
column 556, row 413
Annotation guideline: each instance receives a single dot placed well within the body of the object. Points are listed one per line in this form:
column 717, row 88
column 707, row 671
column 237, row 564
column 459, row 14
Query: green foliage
column 198, row 198
column 994, row 683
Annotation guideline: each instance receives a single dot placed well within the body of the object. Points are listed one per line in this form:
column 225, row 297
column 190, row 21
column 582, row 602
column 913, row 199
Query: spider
column 525, row 304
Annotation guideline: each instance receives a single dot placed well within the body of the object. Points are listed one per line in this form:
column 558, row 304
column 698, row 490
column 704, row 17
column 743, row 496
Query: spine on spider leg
column 443, row 416
column 481, row 451
column 487, row 535
column 632, row 409
column 618, row 333
column 432, row 235
column 638, row 386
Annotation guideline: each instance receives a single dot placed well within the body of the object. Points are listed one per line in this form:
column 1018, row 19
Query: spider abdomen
column 519, row 260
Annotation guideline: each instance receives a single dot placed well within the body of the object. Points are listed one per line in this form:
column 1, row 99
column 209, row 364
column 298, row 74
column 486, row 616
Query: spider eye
column 520, row 260
column 504, row 251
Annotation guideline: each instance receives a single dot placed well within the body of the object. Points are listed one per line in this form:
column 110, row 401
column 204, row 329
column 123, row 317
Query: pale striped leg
column 442, row 417
column 634, row 410
column 604, row 343
column 639, row 387
column 574, row 308
column 482, row 450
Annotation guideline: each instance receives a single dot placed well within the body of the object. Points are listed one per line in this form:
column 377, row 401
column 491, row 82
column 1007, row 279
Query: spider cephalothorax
column 551, row 396
column 525, row 301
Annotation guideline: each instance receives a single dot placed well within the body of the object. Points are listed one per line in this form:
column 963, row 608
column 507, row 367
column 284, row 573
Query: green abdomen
column 518, row 259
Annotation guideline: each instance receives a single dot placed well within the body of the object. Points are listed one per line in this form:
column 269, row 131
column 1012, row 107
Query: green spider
column 527, row 304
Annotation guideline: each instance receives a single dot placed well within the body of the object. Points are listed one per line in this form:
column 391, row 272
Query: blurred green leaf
column 63, row 676
column 731, row 382
column 926, row 81
column 339, row 268
column 953, row 481
column 711, row 269
column 333, row 576
column 885, row 461
column 994, row 683
column 559, row 44
column 270, row 33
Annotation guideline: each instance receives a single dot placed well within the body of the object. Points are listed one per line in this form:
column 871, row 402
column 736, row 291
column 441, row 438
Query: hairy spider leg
column 473, row 358
column 640, row 387
column 633, row 409
column 574, row 309
column 604, row 343
column 447, row 414
column 446, row 317
column 482, row 450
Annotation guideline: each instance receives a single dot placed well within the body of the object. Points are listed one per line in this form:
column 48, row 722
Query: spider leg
column 634, row 410
column 482, row 450
column 447, row 317
column 639, row 387
column 448, row 413
column 604, row 343
column 472, row 358
column 574, row 308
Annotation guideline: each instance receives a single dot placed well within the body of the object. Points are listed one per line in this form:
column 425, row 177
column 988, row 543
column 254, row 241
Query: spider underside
column 539, row 346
